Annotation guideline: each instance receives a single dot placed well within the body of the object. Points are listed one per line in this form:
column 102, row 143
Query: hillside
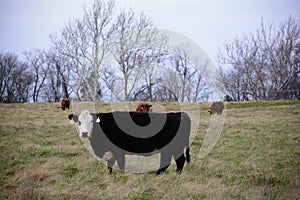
column 256, row 157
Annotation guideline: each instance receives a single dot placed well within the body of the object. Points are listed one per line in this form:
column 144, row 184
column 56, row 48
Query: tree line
column 106, row 55
column 264, row 65
column 118, row 55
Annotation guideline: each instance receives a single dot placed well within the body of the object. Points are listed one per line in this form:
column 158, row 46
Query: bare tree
column 58, row 81
column 113, row 83
column 119, row 56
column 15, row 79
column 263, row 65
column 53, row 84
column 64, row 66
column 85, row 42
column 39, row 68
column 284, row 56
column 181, row 61
column 186, row 74
column 198, row 85
column 134, row 49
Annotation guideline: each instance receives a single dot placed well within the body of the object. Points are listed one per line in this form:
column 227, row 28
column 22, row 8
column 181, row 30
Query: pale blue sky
column 27, row 24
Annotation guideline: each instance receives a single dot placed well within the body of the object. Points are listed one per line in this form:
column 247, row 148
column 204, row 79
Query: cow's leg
column 121, row 162
column 110, row 164
column 165, row 161
column 188, row 156
column 180, row 163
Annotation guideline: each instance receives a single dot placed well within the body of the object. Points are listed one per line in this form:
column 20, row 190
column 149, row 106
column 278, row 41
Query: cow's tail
column 187, row 155
column 187, row 146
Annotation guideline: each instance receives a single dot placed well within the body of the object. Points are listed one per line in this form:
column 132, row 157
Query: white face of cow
column 85, row 122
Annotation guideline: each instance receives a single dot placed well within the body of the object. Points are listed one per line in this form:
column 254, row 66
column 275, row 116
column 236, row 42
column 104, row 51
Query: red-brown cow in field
column 144, row 107
column 65, row 103
column 216, row 107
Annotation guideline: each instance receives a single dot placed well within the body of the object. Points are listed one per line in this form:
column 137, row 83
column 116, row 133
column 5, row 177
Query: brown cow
column 216, row 107
column 65, row 103
column 144, row 107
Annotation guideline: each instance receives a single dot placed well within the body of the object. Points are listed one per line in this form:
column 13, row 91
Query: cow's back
column 131, row 139
column 217, row 107
column 65, row 103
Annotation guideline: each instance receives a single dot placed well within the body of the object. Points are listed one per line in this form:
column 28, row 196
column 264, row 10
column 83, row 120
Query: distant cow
column 144, row 107
column 134, row 133
column 65, row 103
column 216, row 107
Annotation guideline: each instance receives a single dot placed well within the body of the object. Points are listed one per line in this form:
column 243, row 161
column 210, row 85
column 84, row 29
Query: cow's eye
column 79, row 123
column 91, row 121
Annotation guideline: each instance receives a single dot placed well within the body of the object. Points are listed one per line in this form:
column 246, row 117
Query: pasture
column 256, row 157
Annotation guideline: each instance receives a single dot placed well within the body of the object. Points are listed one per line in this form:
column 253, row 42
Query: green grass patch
column 261, row 104
column 70, row 171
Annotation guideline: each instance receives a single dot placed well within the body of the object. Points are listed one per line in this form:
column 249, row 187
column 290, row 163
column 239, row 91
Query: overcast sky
column 27, row 24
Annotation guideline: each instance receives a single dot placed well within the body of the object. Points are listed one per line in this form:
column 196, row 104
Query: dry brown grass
column 256, row 157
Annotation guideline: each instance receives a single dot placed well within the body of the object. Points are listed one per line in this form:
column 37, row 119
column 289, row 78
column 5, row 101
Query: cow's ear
column 73, row 118
column 70, row 116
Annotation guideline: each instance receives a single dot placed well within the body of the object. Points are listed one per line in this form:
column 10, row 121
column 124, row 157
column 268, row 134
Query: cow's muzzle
column 84, row 134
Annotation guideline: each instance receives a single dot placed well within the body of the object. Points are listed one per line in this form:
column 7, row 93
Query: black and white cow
column 135, row 133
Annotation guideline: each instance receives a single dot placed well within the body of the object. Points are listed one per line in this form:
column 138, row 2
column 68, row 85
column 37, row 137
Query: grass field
column 256, row 157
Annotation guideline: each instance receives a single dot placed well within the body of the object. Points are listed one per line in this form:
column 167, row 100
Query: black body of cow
column 170, row 139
